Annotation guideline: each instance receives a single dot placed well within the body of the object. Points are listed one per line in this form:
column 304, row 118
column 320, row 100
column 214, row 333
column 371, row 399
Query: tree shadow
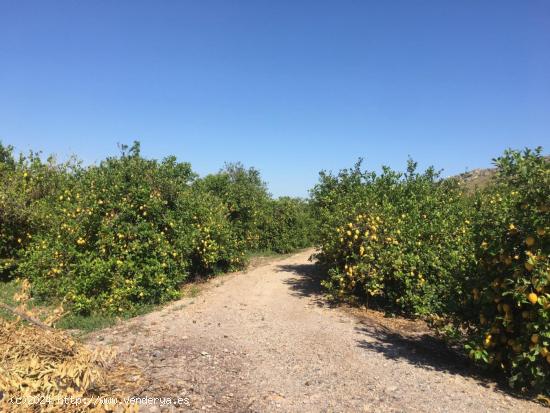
column 307, row 282
column 420, row 348
column 425, row 350
column 405, row 341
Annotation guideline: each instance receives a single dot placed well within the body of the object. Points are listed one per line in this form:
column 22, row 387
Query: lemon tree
column 128, row 232
column 397, row 241
column 125, row 233
column 24, row 182
column 261, row 222
column 422, row 246
column 508, row 305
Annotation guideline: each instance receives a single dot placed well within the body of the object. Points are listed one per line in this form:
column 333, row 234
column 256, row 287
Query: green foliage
column 286, row 225
column 507, row 307
column 399, row 241
column 260, row 222
column 419, row 245
column 245, row 196
column 23, row 184
column 127, row 232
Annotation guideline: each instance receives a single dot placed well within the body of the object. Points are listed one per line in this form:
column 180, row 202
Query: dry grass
column 47, row 365
column 46, row 370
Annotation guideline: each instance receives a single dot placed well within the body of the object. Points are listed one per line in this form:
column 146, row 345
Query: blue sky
column 290, row 87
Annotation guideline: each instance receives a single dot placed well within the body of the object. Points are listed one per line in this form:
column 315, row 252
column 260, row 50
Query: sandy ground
column 266, row 341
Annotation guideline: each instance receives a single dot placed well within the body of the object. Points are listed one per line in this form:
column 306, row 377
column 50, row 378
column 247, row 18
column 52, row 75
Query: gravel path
column 265, row 341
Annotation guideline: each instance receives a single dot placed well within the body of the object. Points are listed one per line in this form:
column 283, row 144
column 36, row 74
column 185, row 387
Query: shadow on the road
column 425, row 350
column 422, row 349
column 419, row 347
column 307, row 282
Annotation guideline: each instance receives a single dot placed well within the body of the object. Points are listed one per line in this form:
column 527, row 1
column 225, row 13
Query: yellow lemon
column 530, row 241
column 533, row 298
column 535, row 338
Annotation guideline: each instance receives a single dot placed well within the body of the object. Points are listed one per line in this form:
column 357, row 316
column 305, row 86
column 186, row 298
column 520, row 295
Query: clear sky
column 290, row 87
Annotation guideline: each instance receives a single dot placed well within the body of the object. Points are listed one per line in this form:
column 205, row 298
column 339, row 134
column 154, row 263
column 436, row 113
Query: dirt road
column 266, row 341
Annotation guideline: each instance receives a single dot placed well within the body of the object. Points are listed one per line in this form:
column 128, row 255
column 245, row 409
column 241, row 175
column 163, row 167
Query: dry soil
column 267, row 341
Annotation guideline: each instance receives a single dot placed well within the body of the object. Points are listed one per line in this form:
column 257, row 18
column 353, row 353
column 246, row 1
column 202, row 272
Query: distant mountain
column 476, row 178
column 479, row 178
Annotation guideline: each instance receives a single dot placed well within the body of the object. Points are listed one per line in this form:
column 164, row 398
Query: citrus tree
column 286, row 225
column 421, row 245
column 24, row 182
column 508, row 302
column 395, row 240
column 245, row 196
column 125, row 233
column 261, row 222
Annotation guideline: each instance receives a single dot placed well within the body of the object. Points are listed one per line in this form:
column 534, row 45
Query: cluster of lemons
column 213, row 242
column 517, row 300
column 205, row 246
column 359, row 240
column 365, row 226
column 100, row 221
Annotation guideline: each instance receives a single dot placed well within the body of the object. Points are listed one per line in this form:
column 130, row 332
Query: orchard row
column 473, row 261
column 129, row 231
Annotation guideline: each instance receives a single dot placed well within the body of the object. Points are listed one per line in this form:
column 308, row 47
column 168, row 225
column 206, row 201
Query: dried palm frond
column 38, row 364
